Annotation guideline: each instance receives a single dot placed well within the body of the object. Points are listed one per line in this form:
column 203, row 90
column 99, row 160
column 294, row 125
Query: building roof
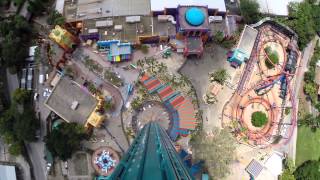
column 160, row 5
column 64, row 94
column 238, row 56
column 247, row 40
column 7, row 172
column 195, row 16
column 62, row 37
column 117, row 49
column 279, row 8
column 91, row 9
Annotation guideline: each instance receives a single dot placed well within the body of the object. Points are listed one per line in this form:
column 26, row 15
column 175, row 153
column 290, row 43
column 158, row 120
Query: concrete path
column 290, row 148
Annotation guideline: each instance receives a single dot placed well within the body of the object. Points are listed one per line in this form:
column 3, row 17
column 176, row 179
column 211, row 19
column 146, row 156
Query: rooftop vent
column 74, row 105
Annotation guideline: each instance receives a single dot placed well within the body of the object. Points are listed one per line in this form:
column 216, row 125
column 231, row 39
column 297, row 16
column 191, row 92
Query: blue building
column 116, row 51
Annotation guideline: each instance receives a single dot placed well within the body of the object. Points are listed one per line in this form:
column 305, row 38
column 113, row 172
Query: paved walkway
column 197, row 70
column 113, row 124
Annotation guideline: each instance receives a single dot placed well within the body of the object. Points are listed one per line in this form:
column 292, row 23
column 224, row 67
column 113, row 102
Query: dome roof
column 195, row 16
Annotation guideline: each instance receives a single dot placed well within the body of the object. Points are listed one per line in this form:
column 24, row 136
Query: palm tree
column 162, row 68
column 184, row 80
column 219, row 76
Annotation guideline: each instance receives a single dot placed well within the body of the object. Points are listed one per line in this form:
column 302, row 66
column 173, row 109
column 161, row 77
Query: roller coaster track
column 249, row 66
column 249, row 69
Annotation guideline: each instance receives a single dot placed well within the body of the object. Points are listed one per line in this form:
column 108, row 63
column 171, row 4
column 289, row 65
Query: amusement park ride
column 151, row 156
column 270, row 88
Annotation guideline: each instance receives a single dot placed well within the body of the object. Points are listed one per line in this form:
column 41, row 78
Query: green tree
column 4, row 3
column 21, row 96
column 308, row 170
column 55, row 18
column 310, row 121
column 18, row 3
column 144, row 49
column 16, row 33
column 7, row 120
column 26, row 125
column 15, row 148
column 219, row 76
column 216, row 149
column 72, row 135
column 136, row 103
column 250, row 11
column 10, row 53
column 36, row 7
column 309, row 76
column 311, row 90
column 218, row 36
column 108, row 105
column 288, row 170
column 301, row 19
column 259, row 119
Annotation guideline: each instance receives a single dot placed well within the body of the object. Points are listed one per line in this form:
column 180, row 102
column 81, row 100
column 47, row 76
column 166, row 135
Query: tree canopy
column 220, row 76
column 288, row 171
column 16, row 127
column 37, row 7
column 72, row 135
column 21, row 96
column 250, row 11
column 216, row 149
column 310, row 87
column 26, row 125
column 313, row 122
column 55, row 18
column 16, row 33
column 304, row 20
column 259, row 119
column 308, row 170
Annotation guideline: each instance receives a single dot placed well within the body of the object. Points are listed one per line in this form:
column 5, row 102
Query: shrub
column 259, row 119
column 144, row 49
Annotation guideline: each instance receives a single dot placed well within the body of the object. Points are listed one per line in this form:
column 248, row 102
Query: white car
column 35, row 97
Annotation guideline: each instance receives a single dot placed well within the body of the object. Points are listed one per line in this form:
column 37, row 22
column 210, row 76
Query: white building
column 7, row 172
column 160, row 5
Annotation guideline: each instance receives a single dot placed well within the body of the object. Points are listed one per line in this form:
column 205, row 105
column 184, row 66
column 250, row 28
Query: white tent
column 274, row 164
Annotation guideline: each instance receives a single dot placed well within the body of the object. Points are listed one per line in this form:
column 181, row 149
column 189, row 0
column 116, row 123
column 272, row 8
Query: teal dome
column 195, row 16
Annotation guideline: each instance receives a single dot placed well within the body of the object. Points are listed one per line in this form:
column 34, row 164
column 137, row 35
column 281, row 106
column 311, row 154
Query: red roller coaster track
column 266, row 133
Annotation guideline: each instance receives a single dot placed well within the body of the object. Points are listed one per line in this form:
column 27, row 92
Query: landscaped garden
column 259, row 119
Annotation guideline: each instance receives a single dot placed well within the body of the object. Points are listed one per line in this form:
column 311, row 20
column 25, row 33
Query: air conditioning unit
column 74, row 105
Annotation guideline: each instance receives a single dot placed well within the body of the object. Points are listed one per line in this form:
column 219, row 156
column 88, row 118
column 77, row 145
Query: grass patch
column 308, row 144
column 273, row 56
